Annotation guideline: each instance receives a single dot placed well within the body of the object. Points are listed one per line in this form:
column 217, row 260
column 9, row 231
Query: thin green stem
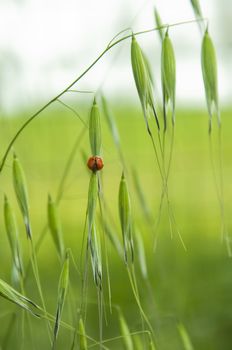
column 109, row 47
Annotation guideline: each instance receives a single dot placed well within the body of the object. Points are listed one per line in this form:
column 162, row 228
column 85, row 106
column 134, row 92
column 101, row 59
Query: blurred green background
column 193, row 287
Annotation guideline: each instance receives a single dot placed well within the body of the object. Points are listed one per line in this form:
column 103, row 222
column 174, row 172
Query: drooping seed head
column 159, row 24
column 95, row 251
column 209, row 72
column 125, row 217
column 196, row 8
column 10, row 224
column 20, row 187
column 12, row 233
column 139, row 70
column 143, row 81
column 95, row 130
column 12, row 295
column 168, row 71
column 92, row 200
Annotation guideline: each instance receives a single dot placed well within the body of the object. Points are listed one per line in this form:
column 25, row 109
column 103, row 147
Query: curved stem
column 109, row 47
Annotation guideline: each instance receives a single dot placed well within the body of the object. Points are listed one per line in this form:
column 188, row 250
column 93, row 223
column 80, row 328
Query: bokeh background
column 44, row 45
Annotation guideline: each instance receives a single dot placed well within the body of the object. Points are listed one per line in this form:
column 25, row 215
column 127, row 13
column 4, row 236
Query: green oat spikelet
column 55, row 227
column 168, row 74
column 143, row 82
column 209, row 72
column 83, row 339
column 92, row 200
column 12, row 295
column 125, row 332
column 62, row 292
column 125, row 218
column 159, row 24
column 95, row 252
column 20, row 187
column 95, row 130
column 12, row 234
column 196, row 8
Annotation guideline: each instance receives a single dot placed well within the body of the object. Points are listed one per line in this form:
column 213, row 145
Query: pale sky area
column 45, row 44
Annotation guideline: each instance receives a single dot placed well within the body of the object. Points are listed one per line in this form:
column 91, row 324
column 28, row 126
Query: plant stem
column 54, row 99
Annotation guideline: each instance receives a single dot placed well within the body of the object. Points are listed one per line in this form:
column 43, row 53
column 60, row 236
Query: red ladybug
column 95, row 163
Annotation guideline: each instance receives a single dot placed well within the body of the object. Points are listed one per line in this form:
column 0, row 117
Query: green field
column 192, row 287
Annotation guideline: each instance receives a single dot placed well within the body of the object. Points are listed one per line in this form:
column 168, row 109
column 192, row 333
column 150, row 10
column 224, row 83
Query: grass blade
column 125, row 332
column 55, row 227
column 184, row 337
column 83, row 339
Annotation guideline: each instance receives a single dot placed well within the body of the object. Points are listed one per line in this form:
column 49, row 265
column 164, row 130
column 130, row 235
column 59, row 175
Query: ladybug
column 95, row 163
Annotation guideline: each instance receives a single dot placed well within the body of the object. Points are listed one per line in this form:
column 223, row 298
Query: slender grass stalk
column 54, row 99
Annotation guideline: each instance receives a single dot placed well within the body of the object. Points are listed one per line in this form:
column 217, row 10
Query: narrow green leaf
column 83, row 339
column 20, row 187
column 125, row 215
column 185, row 337
column 125, row 332
column 209, row 72
column 55, row 226
column 95, row 130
